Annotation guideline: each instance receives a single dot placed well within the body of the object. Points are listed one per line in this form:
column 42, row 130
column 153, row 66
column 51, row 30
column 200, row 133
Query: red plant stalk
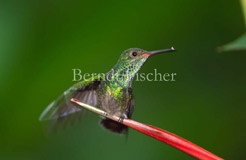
column 172, row 140
column 157, row 133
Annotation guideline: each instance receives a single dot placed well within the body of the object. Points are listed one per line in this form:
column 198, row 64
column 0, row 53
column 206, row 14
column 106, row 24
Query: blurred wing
column 84, row 91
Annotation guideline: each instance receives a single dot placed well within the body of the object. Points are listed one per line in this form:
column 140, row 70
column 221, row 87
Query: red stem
column 172, row 139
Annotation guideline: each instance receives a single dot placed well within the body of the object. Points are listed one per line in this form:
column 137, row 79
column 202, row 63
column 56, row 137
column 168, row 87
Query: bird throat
column 121, row 76
column 123, row 73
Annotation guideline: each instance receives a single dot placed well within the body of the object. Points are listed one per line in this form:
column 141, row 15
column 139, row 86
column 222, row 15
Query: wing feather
column 62, row 106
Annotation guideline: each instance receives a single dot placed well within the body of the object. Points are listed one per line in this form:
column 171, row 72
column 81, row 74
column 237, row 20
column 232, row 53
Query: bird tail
column 114, row 126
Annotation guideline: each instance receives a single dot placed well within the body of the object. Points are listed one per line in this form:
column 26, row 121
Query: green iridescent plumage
column 112, row 93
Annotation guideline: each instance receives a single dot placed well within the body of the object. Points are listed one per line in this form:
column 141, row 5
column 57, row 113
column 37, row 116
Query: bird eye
column 134, row 54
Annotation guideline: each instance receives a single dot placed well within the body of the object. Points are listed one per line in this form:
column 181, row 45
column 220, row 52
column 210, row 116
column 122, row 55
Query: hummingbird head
column 137, row 57
column 130, row 62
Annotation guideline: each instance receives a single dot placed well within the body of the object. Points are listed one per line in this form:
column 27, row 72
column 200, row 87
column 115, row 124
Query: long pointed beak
column 151, row 53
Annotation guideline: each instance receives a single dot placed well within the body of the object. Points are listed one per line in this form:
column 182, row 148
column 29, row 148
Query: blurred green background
column 43, row 40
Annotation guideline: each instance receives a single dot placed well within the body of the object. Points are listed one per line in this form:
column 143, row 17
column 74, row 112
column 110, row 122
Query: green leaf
column 238, row 44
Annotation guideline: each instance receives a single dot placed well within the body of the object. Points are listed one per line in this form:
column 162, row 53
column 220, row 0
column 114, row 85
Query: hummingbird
column 112, row 93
